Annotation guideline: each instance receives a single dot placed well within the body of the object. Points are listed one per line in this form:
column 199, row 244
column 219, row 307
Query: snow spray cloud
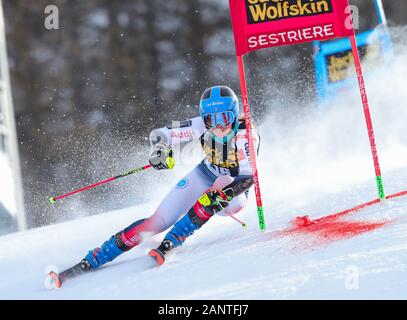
column 86, row 159
column 301, row 153
column 327, row 150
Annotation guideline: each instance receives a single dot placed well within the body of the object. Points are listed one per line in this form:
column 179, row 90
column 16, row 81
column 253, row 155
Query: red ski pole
column 369, row 125
column 252, row 151
column 244, row 224
column 52, row 200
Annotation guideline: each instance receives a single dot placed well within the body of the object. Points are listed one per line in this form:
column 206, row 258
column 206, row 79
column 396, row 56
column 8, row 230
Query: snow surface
column 223, row 260
column 315, row 166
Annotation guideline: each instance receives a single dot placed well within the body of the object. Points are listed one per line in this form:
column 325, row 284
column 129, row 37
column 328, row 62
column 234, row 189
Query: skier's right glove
column 162, row 157
column 217, row 200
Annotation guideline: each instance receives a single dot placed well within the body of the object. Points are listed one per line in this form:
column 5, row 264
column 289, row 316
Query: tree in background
column 87, row 95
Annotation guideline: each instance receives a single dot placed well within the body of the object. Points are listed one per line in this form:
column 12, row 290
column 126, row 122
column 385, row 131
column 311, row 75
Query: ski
column 57, row 279
column 159, row 254
column 234, row 189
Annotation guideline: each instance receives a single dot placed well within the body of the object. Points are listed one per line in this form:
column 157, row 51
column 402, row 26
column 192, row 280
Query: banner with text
column 259, row 24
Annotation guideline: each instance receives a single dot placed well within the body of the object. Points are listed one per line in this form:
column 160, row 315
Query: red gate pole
column 365, row 102
column 248, row 121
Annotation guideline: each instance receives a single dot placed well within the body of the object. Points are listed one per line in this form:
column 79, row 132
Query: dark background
column 87, row 95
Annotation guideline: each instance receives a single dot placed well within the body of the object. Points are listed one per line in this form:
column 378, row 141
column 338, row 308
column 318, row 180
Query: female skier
column 217, row 185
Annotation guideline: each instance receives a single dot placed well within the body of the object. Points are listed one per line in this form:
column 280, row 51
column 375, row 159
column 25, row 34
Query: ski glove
column 216, row 200
column 162, row 157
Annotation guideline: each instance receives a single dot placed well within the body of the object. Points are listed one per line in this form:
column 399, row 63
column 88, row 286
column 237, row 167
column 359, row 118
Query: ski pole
column 244, row 225
column 52, row 200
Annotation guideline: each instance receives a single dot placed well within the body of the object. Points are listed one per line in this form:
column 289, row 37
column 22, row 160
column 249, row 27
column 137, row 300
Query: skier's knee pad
column 130, row 237
column 134, row 225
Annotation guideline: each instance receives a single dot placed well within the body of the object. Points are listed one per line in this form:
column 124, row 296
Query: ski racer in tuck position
column 219, row 184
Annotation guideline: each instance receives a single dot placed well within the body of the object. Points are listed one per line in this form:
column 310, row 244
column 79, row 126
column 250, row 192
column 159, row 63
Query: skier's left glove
column 216, row 200
column 162, row 157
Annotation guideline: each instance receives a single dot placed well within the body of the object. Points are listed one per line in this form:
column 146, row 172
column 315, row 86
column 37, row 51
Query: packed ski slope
column 225, row 261
column 315, row 166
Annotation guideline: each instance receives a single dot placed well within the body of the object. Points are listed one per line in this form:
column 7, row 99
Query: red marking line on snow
column 396, row 195
column 331, row 228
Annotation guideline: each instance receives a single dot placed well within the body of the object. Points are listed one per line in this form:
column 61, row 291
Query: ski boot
column 109, row 251
column 58, row 279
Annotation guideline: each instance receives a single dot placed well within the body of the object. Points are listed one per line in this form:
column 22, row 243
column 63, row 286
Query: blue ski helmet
column 219, row 106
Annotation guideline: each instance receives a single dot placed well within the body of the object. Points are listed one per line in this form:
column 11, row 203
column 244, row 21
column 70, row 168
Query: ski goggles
column 224, row 119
